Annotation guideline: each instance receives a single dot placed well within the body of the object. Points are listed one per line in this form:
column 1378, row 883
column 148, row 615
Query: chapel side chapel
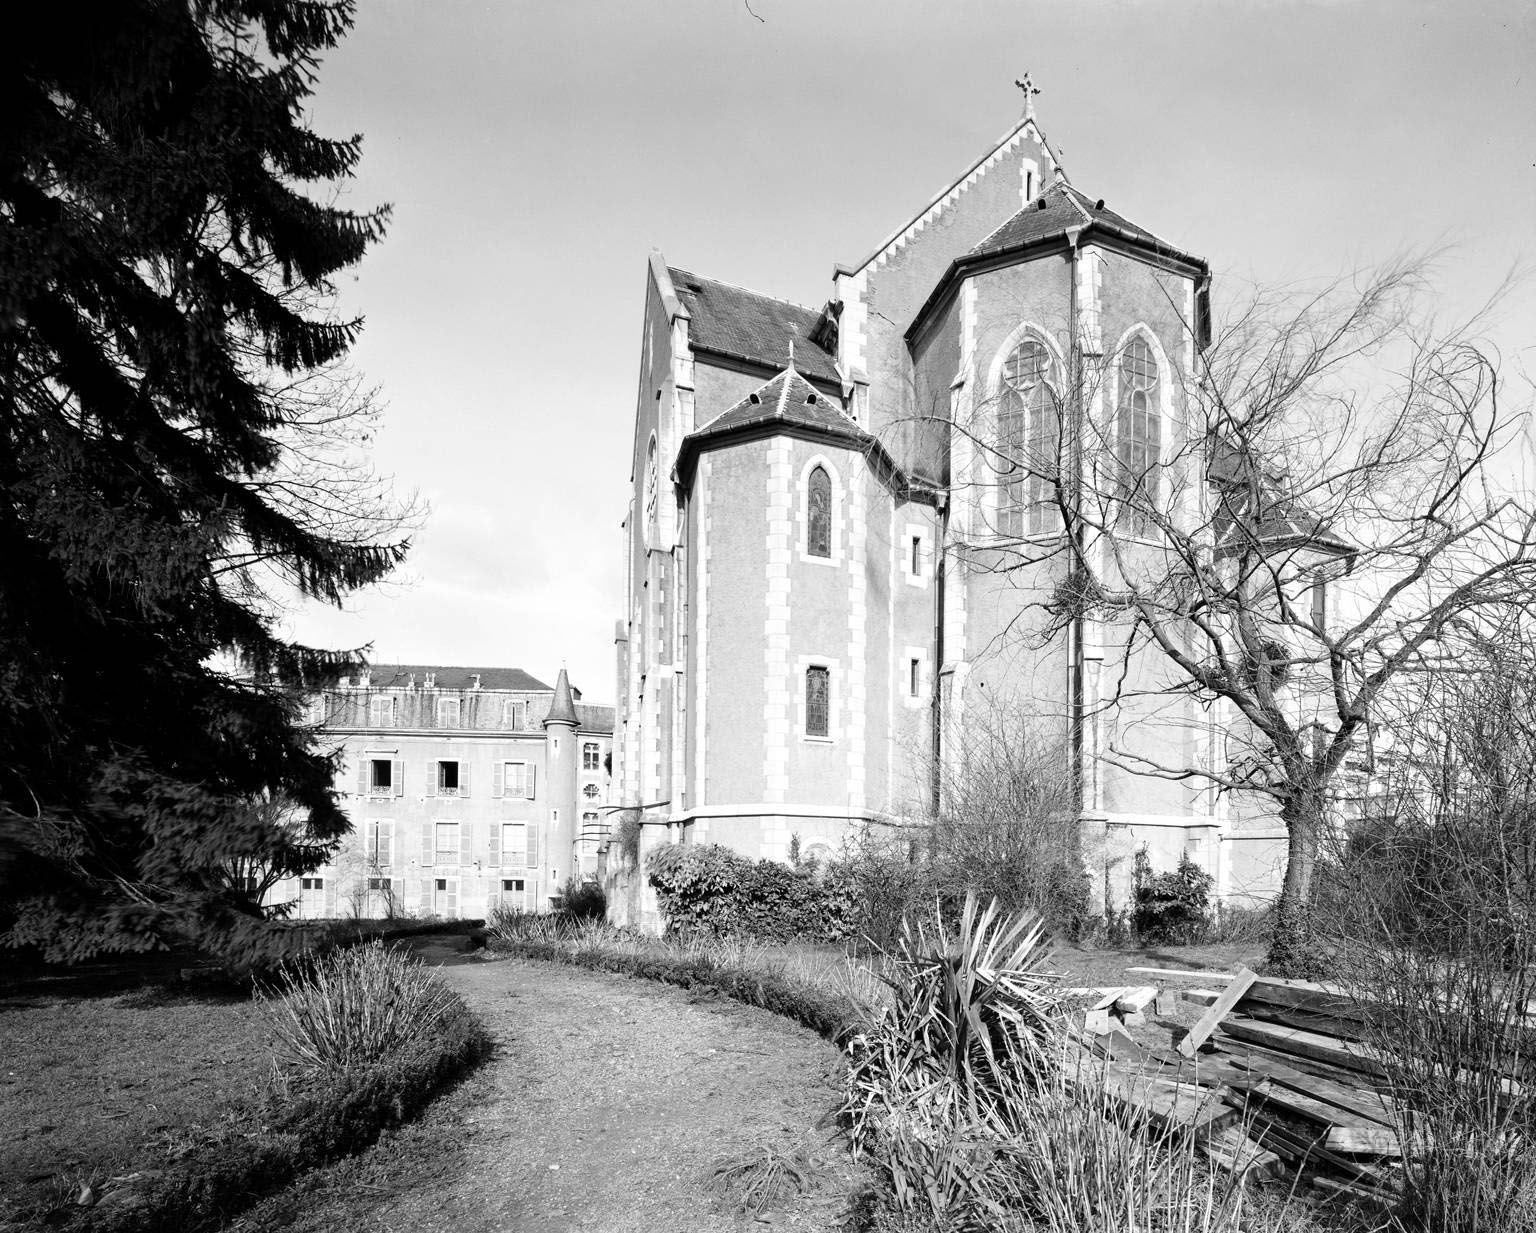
column 815, row 614
column 468, row 788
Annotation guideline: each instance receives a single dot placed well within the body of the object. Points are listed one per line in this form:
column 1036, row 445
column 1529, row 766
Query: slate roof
column 1281, row 521
column 1061, row 206
column 448, row 677
column 787, row 399
column 595, row 718
column 563, row 709
column 747, row 325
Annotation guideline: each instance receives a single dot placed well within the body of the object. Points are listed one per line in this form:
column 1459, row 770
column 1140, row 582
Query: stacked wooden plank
column 1289, row 1064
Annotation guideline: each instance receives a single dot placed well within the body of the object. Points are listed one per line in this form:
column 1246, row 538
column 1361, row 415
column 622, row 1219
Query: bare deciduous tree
column 1332, row 494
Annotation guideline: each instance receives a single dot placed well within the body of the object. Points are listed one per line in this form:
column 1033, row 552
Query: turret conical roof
column 563, row 709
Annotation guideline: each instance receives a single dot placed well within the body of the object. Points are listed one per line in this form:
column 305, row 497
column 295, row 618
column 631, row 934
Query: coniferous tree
column 162, row 259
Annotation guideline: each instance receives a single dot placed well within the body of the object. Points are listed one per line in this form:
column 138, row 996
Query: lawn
column 100, row 1086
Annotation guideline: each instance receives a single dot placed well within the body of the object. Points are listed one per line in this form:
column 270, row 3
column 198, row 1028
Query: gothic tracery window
column 818, row 511
column 1138, row 438
column 1029, row 439
column 650, row 487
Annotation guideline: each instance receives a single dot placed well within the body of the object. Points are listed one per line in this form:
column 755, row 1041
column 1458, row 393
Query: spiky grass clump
column 974, row 1100
column 357, row 1007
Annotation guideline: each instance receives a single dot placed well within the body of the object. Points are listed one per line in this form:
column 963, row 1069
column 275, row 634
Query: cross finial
column 791, row 350
column 1030, row 90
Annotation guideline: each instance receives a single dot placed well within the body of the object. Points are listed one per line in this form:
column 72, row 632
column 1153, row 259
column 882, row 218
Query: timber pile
column 1276, row 1076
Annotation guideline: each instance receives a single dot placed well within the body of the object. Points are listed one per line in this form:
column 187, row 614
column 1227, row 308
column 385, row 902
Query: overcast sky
column 534, row 153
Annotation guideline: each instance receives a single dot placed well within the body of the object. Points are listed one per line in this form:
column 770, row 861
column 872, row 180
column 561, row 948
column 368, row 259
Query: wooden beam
column 1304, row 1044
column 1215, row 978
column 1217, row 1011
column 1135, row 1000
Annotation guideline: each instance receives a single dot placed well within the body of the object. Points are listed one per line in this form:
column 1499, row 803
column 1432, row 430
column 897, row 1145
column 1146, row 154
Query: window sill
column 819, row 740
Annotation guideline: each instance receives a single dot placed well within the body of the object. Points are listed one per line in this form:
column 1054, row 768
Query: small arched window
column 1138, row 439
column 818, row 513
column 1028, row 441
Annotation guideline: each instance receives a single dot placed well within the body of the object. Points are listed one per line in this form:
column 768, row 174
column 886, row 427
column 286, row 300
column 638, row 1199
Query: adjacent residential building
column 836, row 565
column 467, row 788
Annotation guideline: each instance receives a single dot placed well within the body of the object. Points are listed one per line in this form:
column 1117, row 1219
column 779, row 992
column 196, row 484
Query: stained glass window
column 1138, row 439
column 817, row 690
column 1028, row 441
column 818, row 506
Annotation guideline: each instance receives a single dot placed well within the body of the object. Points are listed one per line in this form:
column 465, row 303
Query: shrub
column 707, row 888
column 583, row 900
column 355, row 1007
column 1170, row 908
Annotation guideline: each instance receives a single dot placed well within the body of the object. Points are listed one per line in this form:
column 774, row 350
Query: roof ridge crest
column 677, row 269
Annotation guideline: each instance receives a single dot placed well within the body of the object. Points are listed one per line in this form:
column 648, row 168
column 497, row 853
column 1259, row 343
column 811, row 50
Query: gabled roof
column 383, row 676
column 788, row 398
column 1056, row 209
column 747, row 325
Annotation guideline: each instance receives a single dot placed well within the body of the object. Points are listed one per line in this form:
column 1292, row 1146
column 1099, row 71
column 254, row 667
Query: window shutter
column 426, row 896
column 330, row 895
column 427, row 839
column 399, row 778
column 386, row 855
column 493, row 846
column 533, row 774
column 463, row 778
column 530, row 895
column 362, row 776
column 431, row 777
column 496, row 772
column 532, row 835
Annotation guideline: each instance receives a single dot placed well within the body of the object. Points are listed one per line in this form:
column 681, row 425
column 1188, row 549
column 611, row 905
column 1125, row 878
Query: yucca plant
column 973, row 1000
column 357, row 1007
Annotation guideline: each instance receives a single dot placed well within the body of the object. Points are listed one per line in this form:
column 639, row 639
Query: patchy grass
column 97, row 1087
column 1090, row 966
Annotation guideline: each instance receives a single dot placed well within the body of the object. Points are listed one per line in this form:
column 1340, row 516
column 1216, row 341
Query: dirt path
column 606, row 1106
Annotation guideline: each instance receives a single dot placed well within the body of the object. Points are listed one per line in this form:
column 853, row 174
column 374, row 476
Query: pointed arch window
column 1138, row 439
column 650, row 487
column 818, row 513
column 1029, row 441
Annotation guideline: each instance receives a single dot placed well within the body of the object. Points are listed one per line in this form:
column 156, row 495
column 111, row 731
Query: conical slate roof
column 563, row 709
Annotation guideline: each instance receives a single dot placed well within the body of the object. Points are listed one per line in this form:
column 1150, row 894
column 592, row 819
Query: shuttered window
column 514, row 779
column 381, row 843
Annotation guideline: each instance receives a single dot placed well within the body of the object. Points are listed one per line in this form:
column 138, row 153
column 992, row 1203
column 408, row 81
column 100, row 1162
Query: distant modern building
column 466, row 787
column 842, row 538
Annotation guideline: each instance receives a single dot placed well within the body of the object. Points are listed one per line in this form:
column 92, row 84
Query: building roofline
column 1023, row 122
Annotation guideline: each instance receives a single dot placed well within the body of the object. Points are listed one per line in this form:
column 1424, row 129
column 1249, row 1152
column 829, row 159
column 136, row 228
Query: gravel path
column 606, row 1106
